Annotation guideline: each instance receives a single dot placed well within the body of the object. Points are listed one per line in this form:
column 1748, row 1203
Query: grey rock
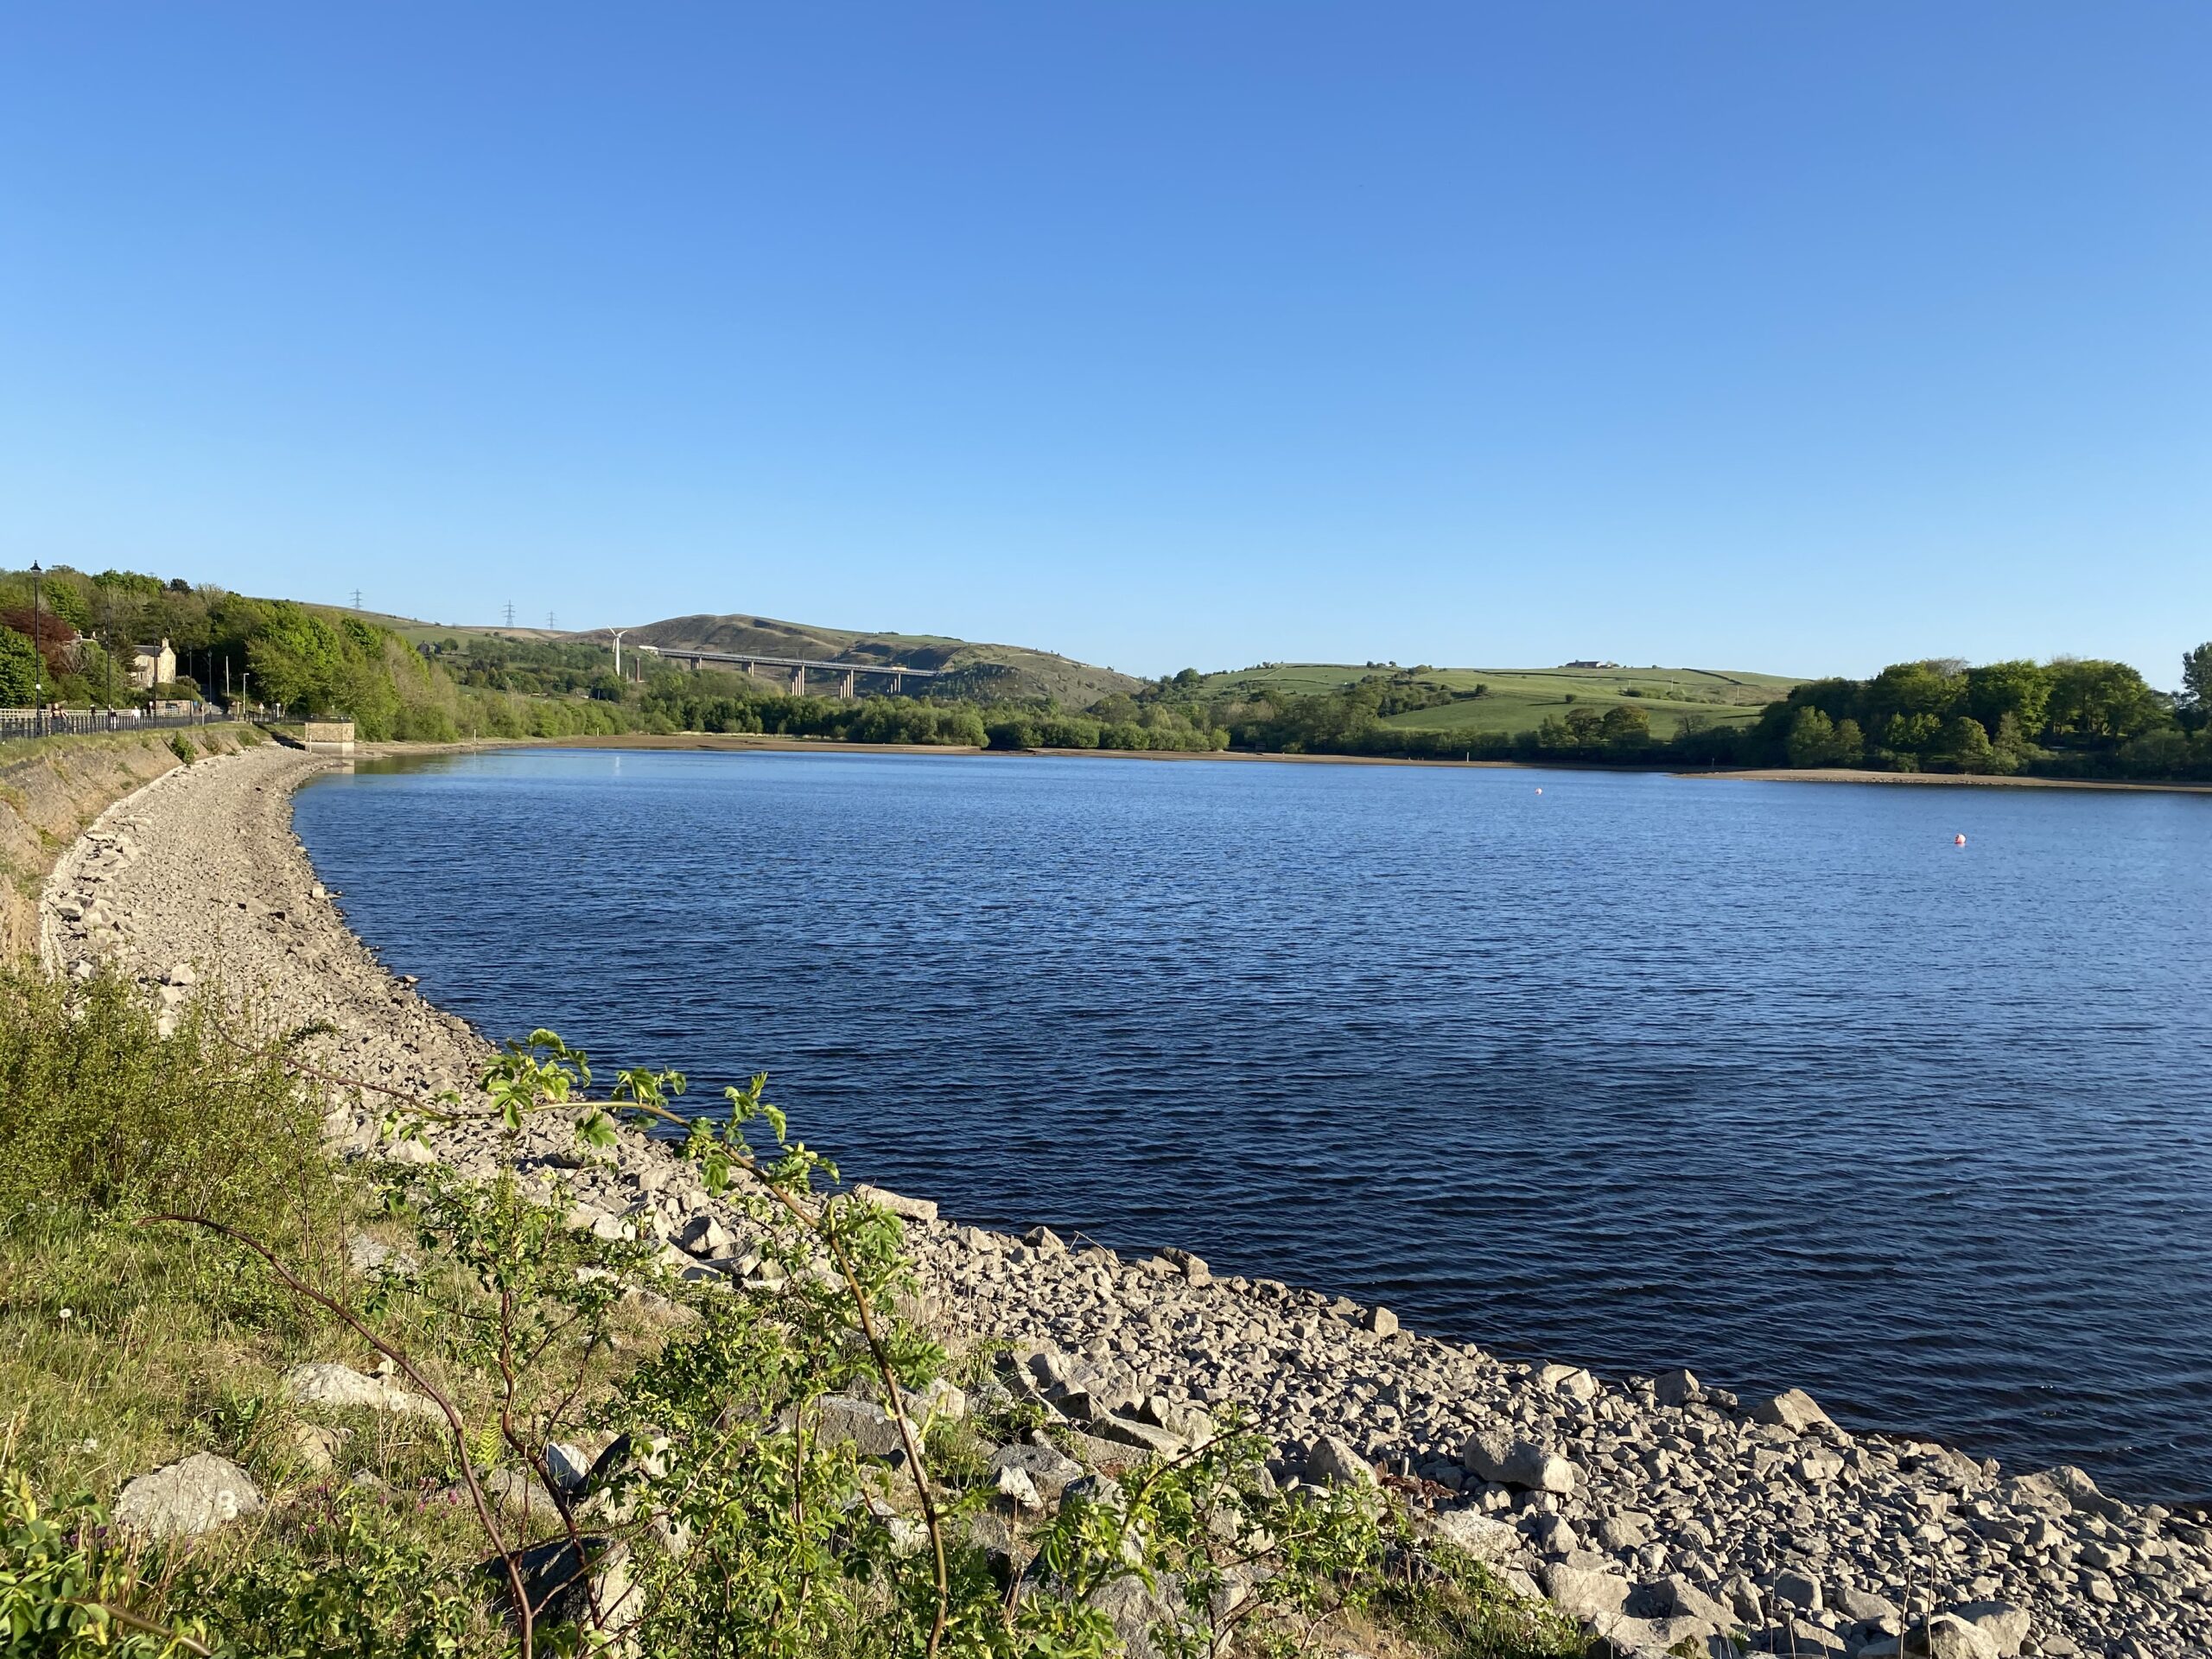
column 1049, row 1470
column 704, row 1236
column 2003, row 1623
column 863, row 1424
column 1678, row 1388
column 1865, row 1605
column 1793, row 1409
column 1585, row 1593
column 343, row 1388
column 1382, row 1321
column 1944, row 1636
column 1192, row 1267
column 1498, row 1457
column 1798, row 1590
column 1145, row 1437
column 1101, row 1490
column 1475, row 1533
column 1572, row 1381
column 904, row 1208
column 1553, row 1533
column 1675, row 1597
column 367, row 1256
column 1624, row 1530
column 310, row 1445
column 1333, row 1463
column 186, row 1498
column 1136, row 1610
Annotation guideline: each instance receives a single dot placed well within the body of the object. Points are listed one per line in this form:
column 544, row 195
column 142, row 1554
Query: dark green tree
column 1812, row 738
column 2019, row 690
column 2101, row 702
column 18, row 666
column 2196, row 684
column 1965, row 745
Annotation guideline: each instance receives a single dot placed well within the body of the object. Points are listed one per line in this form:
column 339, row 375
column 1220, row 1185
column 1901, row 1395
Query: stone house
column 152, row 666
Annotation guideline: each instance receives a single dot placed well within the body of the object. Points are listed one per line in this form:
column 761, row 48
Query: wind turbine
column 618, row 633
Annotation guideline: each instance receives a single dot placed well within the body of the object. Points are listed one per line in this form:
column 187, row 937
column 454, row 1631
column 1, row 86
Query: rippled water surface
column 1767, row 1079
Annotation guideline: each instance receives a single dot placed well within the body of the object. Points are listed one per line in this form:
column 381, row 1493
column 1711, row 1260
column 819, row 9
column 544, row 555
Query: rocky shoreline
column 1656, row 1511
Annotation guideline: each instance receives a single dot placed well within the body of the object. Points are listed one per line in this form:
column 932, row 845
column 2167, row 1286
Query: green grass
column 1518, row 699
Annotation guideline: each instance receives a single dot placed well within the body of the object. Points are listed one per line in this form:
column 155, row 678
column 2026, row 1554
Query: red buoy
column 1958, row 840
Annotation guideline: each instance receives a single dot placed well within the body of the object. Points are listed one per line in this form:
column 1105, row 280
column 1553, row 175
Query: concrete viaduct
column 751, row 661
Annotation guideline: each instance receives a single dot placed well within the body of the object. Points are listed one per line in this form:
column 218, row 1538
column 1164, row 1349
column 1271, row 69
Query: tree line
column 2067, row 718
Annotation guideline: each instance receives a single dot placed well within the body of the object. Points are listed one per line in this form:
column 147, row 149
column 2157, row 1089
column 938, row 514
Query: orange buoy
column 1958, row 840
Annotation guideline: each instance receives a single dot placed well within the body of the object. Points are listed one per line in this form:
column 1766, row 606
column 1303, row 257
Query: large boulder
column 342, row 1387
column 1475, row 1533
column 1333, row 1463
column 1145, row 1437
column 1676, row 1597
column 1793, row 1410
column 1588, row 1595
column 1572, row 1381
column 904, row 1208
column 1136, row 1610
column 1509, row 1462
column 186, row 1498
column 867, row 1427
column 2005, row 1624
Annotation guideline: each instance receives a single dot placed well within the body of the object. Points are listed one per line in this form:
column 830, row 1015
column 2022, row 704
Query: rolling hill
column 1518, row 699
column 988, row 672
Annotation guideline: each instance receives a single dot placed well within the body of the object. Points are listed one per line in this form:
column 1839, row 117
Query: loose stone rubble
column 1660, row 1512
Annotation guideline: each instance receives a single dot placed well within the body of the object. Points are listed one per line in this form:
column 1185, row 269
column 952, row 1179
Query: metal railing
column 72, row 722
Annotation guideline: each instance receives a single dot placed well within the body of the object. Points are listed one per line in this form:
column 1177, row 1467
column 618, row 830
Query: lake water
column 1767, row 1079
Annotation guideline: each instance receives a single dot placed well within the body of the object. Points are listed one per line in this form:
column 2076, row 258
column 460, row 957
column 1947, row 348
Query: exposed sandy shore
column 1947, row 779
column 1655, row 1509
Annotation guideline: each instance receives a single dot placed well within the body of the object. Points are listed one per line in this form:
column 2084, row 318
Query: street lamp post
column 38, row 661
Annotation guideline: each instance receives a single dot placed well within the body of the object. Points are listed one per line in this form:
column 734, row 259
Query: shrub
column 101, row 1110
column 181, row 746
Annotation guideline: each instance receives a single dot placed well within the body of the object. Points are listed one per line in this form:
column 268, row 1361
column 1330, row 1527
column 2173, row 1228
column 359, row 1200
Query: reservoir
column 1773, row 1080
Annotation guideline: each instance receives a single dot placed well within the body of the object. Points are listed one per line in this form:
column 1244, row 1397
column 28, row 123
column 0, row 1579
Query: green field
column 1519, row 699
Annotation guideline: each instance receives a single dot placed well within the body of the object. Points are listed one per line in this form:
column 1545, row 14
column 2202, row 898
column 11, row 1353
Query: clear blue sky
column 1789, row 336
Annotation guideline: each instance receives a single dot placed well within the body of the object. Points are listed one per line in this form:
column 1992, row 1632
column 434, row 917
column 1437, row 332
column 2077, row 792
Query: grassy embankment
column 1518, row 699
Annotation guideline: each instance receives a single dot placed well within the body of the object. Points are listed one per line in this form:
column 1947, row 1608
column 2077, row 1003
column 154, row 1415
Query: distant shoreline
column 1971, row 780
column 738, row 742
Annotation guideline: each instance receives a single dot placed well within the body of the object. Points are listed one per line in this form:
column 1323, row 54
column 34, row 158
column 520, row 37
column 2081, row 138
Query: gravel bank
column 1658, row 1511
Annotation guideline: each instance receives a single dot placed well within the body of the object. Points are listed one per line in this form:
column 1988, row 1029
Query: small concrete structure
column 330, row 737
